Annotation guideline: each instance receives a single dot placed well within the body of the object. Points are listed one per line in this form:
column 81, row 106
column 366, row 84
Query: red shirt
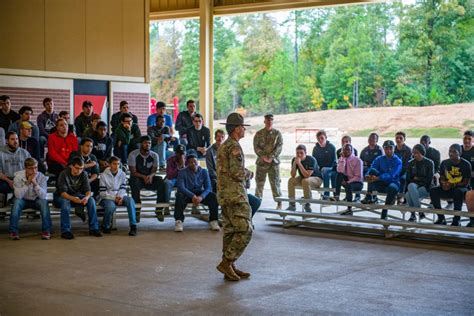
column 60, row 148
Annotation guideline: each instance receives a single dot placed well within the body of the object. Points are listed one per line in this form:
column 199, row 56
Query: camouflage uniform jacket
column 268, row 143
column 231, row 174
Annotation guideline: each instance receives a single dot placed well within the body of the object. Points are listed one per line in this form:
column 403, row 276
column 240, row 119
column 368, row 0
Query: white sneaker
column 214, row 225
column 178, row 226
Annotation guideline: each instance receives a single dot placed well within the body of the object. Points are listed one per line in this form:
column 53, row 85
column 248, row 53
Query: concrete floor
column 295, row 271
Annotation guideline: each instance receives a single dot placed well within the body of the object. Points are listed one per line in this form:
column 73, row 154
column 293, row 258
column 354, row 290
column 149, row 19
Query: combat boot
column 241, row 274
column 225, row 267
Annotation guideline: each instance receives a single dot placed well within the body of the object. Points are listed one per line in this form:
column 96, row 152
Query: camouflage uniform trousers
column 237, row 228
column 273, row 171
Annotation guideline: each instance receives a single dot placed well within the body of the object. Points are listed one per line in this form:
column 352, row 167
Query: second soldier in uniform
column 268, row 144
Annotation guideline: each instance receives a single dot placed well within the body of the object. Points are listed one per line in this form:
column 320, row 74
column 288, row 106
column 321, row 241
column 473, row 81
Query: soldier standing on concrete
column 232, row 196
column 268, row 144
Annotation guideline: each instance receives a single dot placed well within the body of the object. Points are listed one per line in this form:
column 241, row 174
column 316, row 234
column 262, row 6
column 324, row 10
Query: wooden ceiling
column 175, row 9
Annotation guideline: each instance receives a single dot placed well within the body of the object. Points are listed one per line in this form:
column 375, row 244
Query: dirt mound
column 380, row 119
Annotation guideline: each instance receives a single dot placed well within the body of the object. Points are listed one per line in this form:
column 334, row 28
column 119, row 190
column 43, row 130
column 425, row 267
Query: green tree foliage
column 188, row 76
column 396, row 54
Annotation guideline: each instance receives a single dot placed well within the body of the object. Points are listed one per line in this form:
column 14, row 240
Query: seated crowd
column 90, row 167
column 406, row 175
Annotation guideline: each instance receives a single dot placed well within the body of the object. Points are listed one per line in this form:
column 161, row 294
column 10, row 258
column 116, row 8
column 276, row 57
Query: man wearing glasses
column 127, row 136
column 198, row 136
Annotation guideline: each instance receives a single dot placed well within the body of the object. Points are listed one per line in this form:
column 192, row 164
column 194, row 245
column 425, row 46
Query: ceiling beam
column 254, row 7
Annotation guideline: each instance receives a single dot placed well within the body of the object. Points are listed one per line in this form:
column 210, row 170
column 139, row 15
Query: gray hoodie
column 11, row 162
column 29, row 191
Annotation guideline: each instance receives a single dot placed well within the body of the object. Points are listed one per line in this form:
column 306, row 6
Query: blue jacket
column 194, row 183
column 388, row 168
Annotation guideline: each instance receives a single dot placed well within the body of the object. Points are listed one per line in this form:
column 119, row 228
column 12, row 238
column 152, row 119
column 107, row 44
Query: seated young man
column 60, row 146
column 7, row 115
column 84, row 119
column 194, row 185
column 30, row 192
column 455, row 174
column 432, row 154
column 25, row 115
column 174, row 164
column 198, row 136
column 184, row 121
column 160, row 110
column 91, row 129
column 468, row 152
column 115, row 119
column 384, row 176
column 404, row 153
column 113, row 192
column 143, row 164
column 47, row 119
column 127, row 136
column 372, row 151
column 73, row 189
column 420, row 171
column 91, row 165
column 64, row 115
column 325, row 154
column 12, row 159
column 309, row 177
column 27, row 142
column 346, row 139
column 160, row 137
column 349, row 175
column 103, row 146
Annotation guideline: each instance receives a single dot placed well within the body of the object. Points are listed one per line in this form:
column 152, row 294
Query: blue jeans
column 160, row 149
column 329, row 174
column 39, row 204
column 415, row 193
column 65, row 206
column 171, row 183
column 382, row 187
column 254, row 202
column 403, row 183
column 110, row 207
column 43, row 142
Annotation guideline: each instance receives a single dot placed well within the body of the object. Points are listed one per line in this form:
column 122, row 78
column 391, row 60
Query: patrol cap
column 235, row 119
column 388, row 143
column 180, row 149
column 191, row 154
column 269, row 116
column 26, row 124
column 160, row 104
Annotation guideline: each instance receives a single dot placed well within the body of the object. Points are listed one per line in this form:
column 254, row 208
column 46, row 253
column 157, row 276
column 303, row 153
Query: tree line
column 383, row 54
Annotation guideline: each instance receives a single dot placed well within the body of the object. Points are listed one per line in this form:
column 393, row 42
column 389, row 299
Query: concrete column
column 206, row 46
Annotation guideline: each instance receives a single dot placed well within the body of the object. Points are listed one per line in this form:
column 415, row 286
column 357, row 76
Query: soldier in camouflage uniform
column 232, row 197
column 268, row 144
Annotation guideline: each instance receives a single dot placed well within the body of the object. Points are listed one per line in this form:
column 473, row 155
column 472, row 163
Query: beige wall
column 103, row 37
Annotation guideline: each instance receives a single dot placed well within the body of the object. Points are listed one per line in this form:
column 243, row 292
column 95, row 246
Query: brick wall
column 138, row 104
column 34, row 98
